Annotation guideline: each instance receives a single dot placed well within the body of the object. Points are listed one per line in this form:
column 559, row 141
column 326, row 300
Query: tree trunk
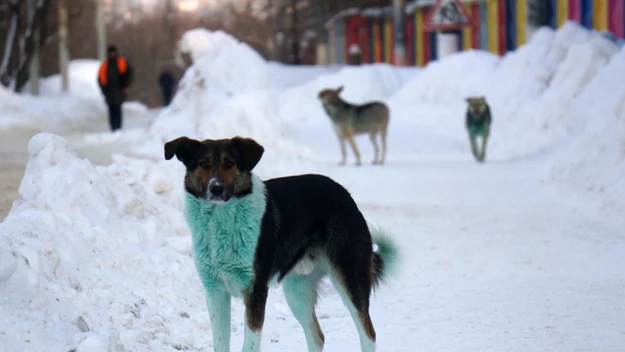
column 35, row 62
column 11, row 39
column 63, row 47
column 34, row 29
column 100, row 25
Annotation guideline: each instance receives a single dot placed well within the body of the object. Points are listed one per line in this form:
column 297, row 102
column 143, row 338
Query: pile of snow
column 223, row 69
column 98, row 256
column 83, row 84
column 48, row 113
column 54, row 110
column 595, row 161
column 530, row 90
column 228, row 91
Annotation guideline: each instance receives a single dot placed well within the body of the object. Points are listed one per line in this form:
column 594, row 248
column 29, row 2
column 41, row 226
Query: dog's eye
column 205, row 165
column 228, row 164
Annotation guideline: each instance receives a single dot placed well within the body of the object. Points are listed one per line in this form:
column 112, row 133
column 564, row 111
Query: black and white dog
column 247, row 232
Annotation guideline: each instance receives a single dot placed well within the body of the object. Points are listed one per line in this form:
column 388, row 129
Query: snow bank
column 228, row 91
column 54, row 110
column 49, row 113
column 223, row 69
column 595, row 161
column 86, row 257
column 83, row 84
column 530, row 90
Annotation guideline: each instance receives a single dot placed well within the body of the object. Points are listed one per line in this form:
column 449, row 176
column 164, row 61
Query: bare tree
column 100, row 24
column 63, row 46
column 9, row 44
column 26, row 55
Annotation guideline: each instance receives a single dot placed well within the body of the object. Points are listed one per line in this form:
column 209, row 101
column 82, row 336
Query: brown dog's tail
column 385, row 255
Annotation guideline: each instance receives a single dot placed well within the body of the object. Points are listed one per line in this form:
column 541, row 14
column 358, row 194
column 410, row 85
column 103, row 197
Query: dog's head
column 217, row 170
column 476, row 103
column 329, row 96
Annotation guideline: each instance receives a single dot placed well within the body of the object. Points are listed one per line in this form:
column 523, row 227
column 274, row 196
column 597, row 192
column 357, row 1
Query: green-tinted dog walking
column 477, row 123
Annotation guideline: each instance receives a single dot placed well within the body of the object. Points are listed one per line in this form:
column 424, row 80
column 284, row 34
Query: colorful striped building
column 499, row 26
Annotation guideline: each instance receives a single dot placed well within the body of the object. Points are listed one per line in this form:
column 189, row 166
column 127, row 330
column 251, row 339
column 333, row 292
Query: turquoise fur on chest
column 224, row 238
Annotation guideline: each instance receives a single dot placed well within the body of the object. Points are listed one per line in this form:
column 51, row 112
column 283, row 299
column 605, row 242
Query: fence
column 499, row 26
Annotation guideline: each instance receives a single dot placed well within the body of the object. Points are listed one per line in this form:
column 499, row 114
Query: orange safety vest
column 121, row 65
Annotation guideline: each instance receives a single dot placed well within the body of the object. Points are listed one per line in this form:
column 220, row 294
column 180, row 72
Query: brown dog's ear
column 339, row 89
column 250, row 152
column 183, row 148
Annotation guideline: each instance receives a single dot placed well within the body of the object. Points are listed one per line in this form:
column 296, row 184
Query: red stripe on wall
column 502, row 26
column 474, row 11
column 615, row 17
column 364, row 40
column 379, row 57
column 408, row 33
column 575, row 10
column 426, row 39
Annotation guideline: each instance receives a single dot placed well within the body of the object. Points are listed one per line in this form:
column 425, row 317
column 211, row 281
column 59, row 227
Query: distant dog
column 477, row 122
column 247, row 232
column 349, row 120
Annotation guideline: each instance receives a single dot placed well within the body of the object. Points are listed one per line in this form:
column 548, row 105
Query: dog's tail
column 385, row 255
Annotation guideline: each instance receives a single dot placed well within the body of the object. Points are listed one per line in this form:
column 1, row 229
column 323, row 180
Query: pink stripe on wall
column 615, row 17
column 575, row 10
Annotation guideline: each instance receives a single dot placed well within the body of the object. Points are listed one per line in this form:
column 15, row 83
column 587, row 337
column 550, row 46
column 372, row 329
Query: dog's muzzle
column 216, row 191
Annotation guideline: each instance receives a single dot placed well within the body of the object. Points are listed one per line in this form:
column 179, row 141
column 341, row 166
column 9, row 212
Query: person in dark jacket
column 167, row 82
column 114, row 78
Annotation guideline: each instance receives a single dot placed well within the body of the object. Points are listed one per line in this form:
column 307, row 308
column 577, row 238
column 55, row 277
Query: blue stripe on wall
column 483, row 26
column 551, row 13
column 587, row 13
column 511, row 24
column 340, row 38
column 433, row 44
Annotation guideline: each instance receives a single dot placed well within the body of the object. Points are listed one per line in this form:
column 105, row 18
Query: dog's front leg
column 254, row 317
column 218, row 302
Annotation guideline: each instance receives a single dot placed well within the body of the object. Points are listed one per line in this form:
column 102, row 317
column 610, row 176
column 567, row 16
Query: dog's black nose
column 216, row 189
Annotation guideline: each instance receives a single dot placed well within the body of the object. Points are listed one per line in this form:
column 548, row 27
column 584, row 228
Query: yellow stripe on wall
column 562, row 12
column 388, row 38
column 521, row 21
column 467, row 36
column 600, row 14
column 418, row 34
column 492, row 18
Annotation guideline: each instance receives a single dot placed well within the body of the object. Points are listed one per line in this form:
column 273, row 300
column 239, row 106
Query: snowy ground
column 516, row 254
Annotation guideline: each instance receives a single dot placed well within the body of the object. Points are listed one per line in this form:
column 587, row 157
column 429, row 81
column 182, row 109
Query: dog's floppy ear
column 250, row 152
column 183, row 148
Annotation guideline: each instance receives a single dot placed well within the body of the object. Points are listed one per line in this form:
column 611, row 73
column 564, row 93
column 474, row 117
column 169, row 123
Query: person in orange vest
column 114, row 78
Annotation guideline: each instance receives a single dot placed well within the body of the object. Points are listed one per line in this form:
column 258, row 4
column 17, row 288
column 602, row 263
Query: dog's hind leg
column 483, row 151
column 383, row 132
column 218, row 303
column 352, row 281
column 373, row 136
column 300, row 292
